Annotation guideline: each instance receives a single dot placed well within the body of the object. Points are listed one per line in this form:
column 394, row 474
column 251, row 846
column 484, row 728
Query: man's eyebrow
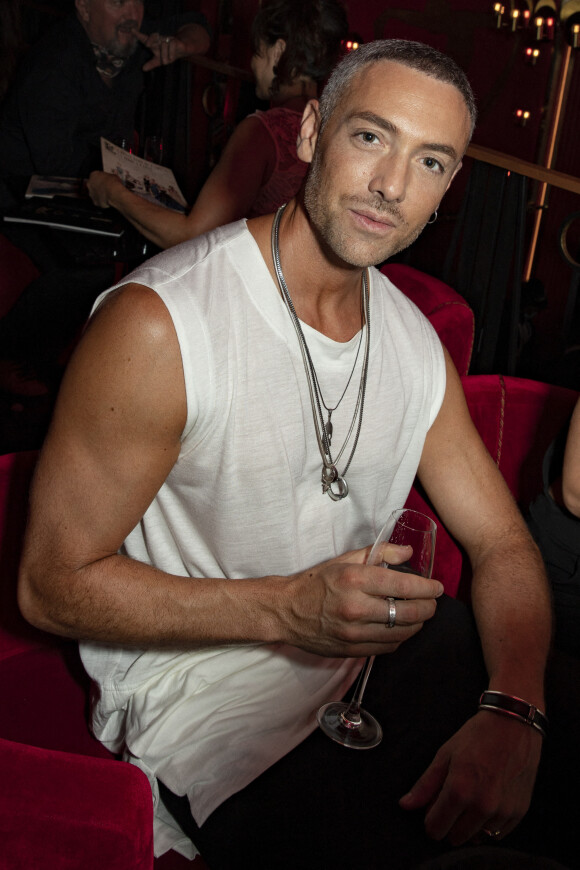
column 389, row 127
column 371, row 118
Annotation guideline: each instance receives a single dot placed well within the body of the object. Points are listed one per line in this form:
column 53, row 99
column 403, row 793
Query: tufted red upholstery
column 517, row 419
column 447, row 310
column 65, row 802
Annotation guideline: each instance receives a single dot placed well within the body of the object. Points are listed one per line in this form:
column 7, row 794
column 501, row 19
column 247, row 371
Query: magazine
column 149, row 180
column 49, row 186
column 67, row 213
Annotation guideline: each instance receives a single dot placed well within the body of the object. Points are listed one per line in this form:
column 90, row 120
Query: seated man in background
column 296, row 43
column 81, row 81
column 201, row 527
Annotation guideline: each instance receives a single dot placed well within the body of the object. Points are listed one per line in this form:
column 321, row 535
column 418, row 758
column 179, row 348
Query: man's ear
column 309, row 128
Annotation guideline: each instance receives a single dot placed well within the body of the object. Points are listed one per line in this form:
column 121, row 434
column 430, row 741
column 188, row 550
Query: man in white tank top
column 237, row 423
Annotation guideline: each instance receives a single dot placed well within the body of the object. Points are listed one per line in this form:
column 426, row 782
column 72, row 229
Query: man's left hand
column 480, row 782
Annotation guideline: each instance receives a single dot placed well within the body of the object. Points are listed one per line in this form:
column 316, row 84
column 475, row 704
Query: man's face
column 384, row 160
column 111, row 24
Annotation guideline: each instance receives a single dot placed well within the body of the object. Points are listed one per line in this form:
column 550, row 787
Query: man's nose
column 133, row 9
column 391, row 177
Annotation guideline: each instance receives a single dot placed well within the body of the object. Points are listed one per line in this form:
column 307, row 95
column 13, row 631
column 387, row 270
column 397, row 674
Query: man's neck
column 326, row 294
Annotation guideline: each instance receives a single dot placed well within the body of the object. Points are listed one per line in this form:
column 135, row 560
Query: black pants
column 557, row 534
column 324, row 806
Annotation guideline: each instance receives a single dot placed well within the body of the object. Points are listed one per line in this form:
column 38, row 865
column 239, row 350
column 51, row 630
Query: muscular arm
column 509, row 591
column 571, row 468
column 227, row 195
column 484, row 775
column 113, row 441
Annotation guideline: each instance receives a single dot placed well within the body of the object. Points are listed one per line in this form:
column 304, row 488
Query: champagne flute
column 348, row 723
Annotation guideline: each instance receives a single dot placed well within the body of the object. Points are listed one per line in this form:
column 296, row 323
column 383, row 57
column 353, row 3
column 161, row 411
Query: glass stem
column 351, row 716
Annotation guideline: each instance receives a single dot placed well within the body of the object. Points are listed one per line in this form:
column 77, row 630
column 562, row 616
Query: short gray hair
column 415, row 55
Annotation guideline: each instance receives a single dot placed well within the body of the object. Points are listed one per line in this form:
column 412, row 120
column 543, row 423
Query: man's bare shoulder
column 132, row 302
column 129, row 358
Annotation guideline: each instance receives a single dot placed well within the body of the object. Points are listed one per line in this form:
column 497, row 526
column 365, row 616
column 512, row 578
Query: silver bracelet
column 509, row 705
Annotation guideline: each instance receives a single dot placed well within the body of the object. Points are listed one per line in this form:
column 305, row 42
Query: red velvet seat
column 447, row 310
column 516, row 419
column 65, row 802
column 16, row 271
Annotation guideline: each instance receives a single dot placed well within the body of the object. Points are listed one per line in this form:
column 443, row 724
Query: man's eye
column 366, row 136
column 433, row 164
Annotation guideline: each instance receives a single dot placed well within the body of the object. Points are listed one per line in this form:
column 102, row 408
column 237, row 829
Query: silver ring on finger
column 390, row 623
column 167, row 40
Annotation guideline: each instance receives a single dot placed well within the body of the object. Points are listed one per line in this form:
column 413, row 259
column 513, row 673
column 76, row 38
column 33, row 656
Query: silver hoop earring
column 433, row 217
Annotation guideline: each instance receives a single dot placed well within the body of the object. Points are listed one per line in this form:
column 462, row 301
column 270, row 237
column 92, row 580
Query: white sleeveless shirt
column 244, row 499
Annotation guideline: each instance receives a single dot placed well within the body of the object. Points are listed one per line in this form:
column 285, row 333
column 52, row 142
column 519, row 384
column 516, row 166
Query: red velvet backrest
column 516, row 419
column 449, row 313
column 16, row 272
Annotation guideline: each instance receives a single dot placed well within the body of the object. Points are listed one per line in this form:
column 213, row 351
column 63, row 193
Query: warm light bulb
column 522, row 116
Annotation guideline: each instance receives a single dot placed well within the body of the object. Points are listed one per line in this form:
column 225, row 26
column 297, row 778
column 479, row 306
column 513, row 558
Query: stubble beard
column 123, row 49
column 340, row 242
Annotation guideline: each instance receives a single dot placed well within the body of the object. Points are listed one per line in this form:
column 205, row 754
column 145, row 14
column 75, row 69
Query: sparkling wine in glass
column 348, row 723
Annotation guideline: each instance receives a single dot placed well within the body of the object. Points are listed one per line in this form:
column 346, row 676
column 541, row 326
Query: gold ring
column 493, row 834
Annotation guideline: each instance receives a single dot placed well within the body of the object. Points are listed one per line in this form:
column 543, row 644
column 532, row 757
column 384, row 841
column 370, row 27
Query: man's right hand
column 338, row 608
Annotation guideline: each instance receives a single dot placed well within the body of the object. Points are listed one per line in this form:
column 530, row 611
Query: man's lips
column 373, row 220
column 128, row 27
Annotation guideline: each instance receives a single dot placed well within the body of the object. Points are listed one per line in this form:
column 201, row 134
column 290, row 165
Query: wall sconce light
column 545, row 15
column 518, row 17
column 352, row 42
column 532, row 55
column 570, row 18
column 522, row 117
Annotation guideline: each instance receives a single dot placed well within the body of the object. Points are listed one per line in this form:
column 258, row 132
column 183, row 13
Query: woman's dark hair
column 313, row 31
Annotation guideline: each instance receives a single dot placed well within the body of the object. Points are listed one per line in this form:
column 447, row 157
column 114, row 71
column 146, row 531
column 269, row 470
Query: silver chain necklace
column 330, row 474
